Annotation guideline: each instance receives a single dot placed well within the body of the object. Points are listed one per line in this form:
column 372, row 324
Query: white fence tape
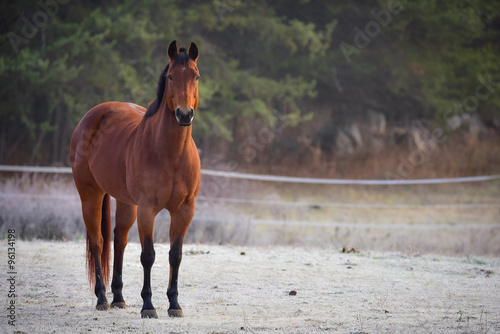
column 39, row 196
column 273, row 178
column 258, row 177
column 35, row 169
column 380, row 226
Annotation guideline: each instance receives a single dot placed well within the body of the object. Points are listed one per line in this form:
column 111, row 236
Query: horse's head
column 182, row 77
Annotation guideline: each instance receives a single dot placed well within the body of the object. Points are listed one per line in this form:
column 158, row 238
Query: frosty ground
column 229, row 289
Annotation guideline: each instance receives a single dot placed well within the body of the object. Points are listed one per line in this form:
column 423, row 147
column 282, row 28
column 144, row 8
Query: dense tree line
column 270, row 63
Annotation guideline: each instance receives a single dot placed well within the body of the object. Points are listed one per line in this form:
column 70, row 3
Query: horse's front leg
column 180, row 220
column 146, row 220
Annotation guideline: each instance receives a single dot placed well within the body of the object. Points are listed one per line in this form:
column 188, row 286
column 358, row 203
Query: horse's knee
column 175, row 254
column 147, row 258
column 148, row 254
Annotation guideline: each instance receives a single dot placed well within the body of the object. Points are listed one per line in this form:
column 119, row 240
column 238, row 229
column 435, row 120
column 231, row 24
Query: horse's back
column 118, row 111
column 101, row 120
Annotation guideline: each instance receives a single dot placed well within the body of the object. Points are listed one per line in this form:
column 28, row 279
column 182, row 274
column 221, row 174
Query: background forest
column 362, row 89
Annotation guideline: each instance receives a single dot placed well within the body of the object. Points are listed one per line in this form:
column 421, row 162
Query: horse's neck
column 169, row 139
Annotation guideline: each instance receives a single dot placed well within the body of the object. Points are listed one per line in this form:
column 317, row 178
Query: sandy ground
column 223, row 290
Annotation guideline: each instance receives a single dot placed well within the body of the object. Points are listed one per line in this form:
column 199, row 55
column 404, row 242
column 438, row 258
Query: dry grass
column 26, row 205
column 457, row 156
column 48, row 208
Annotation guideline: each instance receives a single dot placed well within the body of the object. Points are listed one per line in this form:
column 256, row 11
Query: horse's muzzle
column 184, row 118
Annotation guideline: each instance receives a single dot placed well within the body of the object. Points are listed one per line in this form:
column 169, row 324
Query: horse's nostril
column 178, row 114
column 185, row 117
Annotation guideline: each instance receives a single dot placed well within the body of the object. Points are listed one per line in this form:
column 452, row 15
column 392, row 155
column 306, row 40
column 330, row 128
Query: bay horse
column 147, row 160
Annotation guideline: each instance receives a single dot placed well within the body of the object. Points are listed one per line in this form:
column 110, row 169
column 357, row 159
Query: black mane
column 181, row 59
column 153, row 106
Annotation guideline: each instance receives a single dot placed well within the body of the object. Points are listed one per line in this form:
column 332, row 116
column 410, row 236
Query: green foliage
column 256, row 59
column 442, row 49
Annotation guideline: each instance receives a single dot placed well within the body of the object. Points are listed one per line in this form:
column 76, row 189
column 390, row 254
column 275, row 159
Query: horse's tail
column 106, row 238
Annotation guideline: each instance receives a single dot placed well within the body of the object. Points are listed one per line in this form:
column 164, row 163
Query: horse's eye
column 197, row 77
column 170, row 77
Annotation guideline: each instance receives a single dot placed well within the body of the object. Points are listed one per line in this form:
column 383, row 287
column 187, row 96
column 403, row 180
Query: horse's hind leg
column 92, row 215
column 125, row 218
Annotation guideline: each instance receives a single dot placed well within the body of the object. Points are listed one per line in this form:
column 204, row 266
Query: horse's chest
column 170, row 189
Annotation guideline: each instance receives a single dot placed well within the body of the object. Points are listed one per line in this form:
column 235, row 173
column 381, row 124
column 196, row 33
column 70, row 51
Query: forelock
column 182, row 58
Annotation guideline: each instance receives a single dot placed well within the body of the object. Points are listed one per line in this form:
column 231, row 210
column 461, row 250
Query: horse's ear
column 172, row 50
column 193, row 51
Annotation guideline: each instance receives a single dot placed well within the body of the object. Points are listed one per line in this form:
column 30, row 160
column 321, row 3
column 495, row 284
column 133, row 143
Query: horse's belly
column 108, row 170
